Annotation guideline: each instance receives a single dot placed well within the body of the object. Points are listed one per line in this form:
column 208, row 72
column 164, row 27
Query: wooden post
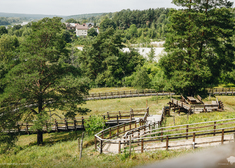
column 130, row 126
column 56, row 126
column 142, row 145
column 166, row 142
column 186, row 131
column 222, row 137
column 117, row 120
column 149, row 128
column 83, row 122
column 108, row 115
column 75, row 124
column 101, row 144
column 135, row 124
column 27, row 128
column 130, row 146
column 66, row 124
column 95, row 143
column 194, row 137
column 130, row 116
column 109, row 131
column 81, row 146
column 214, row 127
column 117, row 129
column 119, row 147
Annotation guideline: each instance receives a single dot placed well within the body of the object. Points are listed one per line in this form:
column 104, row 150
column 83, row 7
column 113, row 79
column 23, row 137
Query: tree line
column 44, row 69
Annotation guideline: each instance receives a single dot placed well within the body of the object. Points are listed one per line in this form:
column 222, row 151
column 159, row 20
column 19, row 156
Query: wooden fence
column 126, row 94
column 57, row 125
column 150, row 92
column 192, row 108
column 108, row 136
column 139, row 138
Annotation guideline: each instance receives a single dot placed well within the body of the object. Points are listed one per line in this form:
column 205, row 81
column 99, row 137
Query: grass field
column 61, row 149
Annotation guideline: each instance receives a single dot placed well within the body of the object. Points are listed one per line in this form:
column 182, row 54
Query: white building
column 81, row 30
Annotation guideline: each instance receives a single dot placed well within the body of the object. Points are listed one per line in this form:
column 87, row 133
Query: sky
column 74, row 7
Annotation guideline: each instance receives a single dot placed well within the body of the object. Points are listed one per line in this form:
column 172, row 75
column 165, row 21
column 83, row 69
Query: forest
column 41, row 67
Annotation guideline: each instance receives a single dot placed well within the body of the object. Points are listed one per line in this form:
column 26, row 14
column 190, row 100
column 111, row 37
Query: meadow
column 61, row 149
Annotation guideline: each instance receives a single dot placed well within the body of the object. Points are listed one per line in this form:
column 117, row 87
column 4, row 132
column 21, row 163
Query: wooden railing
column 125, row 94
column 56, row 125
column 109, row 136
column 149, row 133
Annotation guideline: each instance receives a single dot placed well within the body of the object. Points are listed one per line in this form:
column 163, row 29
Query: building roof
column 82, row 27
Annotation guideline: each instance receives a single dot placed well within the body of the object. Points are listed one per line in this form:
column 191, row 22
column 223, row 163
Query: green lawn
column 61, row 149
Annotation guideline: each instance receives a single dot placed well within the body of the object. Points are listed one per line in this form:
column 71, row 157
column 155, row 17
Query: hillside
column 26, row 16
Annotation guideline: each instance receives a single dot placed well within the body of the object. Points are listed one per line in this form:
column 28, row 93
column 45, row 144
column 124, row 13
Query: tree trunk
column 39, row 137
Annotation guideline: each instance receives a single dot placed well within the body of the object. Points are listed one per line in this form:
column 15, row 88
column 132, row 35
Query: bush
column 94, row 124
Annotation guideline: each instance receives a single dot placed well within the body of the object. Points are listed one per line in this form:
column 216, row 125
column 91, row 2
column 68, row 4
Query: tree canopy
column 198, row 45
column 42, row 79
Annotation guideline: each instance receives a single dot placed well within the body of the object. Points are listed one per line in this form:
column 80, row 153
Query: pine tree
column 198, row 44
column 43, row 79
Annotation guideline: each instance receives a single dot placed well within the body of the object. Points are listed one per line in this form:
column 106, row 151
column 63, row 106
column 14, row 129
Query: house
column 81, row 30
column 71, row 26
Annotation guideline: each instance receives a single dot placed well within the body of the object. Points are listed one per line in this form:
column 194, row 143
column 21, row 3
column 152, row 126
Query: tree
column 3, row 30
column 72, row 20
column 107, row 23
column 141, row 78
column 92, row 32
column 104, row 62
column 43, row 79
column 8, row 55
column 198, row 45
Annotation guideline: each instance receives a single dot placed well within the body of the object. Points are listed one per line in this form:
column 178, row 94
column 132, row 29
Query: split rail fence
column 140, row 137
column 57, row 125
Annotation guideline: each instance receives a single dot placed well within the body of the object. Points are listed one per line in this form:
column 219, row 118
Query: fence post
column 214, row 127
column 119, row 147
column 75, row 124
column 27, row 128
column 110, row 132
column 186, row 131
column 66, row 124
column 130, row 146
column 117, row 120
column 142, row 145
column 194, row 137
column 101, row 144
column 56, row 126
column 117, row 129
column 95, row 143
column 166, row 142
column 130, row 116
column 81, row 146
column 135, row 124
column 222, row 137
column 108, row 115
column 78, row 145
column 82, row 122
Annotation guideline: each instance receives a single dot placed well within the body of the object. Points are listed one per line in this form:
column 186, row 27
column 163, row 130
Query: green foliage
column 72, row 20
column 107, row 23
column 196, row 52
column 141, row 79
column 43, row 78
column 92, row 32
column 104, row 63
column 3, row 30
column 94, row 124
